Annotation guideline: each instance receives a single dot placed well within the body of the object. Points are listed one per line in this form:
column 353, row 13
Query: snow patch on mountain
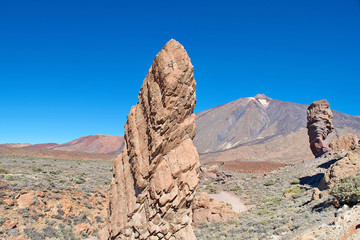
column 264, row 102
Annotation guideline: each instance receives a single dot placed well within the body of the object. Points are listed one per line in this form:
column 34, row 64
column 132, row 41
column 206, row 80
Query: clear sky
column 70, row 68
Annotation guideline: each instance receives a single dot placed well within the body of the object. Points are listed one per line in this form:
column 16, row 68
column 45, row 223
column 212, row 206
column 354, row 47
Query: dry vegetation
column 52, row 198
column 53, row 154
column 66, row 199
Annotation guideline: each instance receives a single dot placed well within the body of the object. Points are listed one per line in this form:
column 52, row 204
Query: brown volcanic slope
column 102, row 144
column 260, row 129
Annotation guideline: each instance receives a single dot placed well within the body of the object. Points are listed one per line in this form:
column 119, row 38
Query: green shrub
column 273, row 201
column 269, row 182
column 37, row 169
column 4, row 171
column 236, row 188
column 9, row 178
column 265, row 222
column 295, row 181
column 212, row 190
column 296, row 191
column 55, row 172
column 347, row 190
column 79, row 178
column 66, row 232
column 263, row 211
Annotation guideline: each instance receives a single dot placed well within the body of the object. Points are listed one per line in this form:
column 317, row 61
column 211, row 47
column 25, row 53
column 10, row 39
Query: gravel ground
column 279, row 203
column 61, row 199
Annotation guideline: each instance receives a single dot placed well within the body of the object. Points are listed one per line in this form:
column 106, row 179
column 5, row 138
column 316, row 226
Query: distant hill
column 15, row 145
column 102, row 144
column 96, row 144
column 92, row 147
column 260, row 129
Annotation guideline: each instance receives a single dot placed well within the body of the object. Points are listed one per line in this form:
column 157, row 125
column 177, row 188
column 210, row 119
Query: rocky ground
column 66, row 199
column 281, row 204
column 52, row 198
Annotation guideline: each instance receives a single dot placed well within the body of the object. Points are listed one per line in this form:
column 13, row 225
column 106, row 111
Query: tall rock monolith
column 155, row 177
column 319, row 125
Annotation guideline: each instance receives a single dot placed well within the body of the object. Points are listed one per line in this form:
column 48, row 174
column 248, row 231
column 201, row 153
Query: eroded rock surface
column 319, row 125
column 347, row 142
column 348, row 166
column 156, row 175
column 207, row 210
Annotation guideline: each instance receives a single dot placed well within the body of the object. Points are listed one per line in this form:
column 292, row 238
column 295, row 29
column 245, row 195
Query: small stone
column 8, row 224
column 26, row 200
column 9, row 202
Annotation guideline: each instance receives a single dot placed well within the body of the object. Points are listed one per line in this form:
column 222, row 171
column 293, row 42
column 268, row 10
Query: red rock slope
column 103, row 144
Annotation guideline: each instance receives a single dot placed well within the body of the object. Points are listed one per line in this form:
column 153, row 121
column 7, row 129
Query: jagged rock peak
column 156, row 175
column 319, row 125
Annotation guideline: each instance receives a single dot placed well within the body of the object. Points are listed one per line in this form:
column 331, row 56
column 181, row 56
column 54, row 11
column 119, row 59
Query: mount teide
column 260, row 129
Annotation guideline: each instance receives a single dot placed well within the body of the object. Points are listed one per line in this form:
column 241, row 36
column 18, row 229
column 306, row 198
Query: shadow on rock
column 323, row 206
column 326, row 165
column 313, row 181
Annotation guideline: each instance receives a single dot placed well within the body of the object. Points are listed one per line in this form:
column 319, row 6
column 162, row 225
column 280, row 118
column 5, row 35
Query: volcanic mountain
column 260, row 129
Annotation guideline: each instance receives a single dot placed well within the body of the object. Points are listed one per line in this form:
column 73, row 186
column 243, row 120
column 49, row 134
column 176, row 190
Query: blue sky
column 74, row 68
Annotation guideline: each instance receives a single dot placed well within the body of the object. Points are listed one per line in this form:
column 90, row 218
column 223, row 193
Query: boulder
column 206, row 210
column 26, row 200
column 319, row 125
column 347, row 142
column 156, row 175
column 348, row 166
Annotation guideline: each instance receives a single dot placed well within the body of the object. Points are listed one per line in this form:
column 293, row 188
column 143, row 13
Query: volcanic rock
column 319, row 125
column 209, row 172
column 156, row 175
column 348, row 166
column 26, row 200
column 347, row 142
column 207, row 210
